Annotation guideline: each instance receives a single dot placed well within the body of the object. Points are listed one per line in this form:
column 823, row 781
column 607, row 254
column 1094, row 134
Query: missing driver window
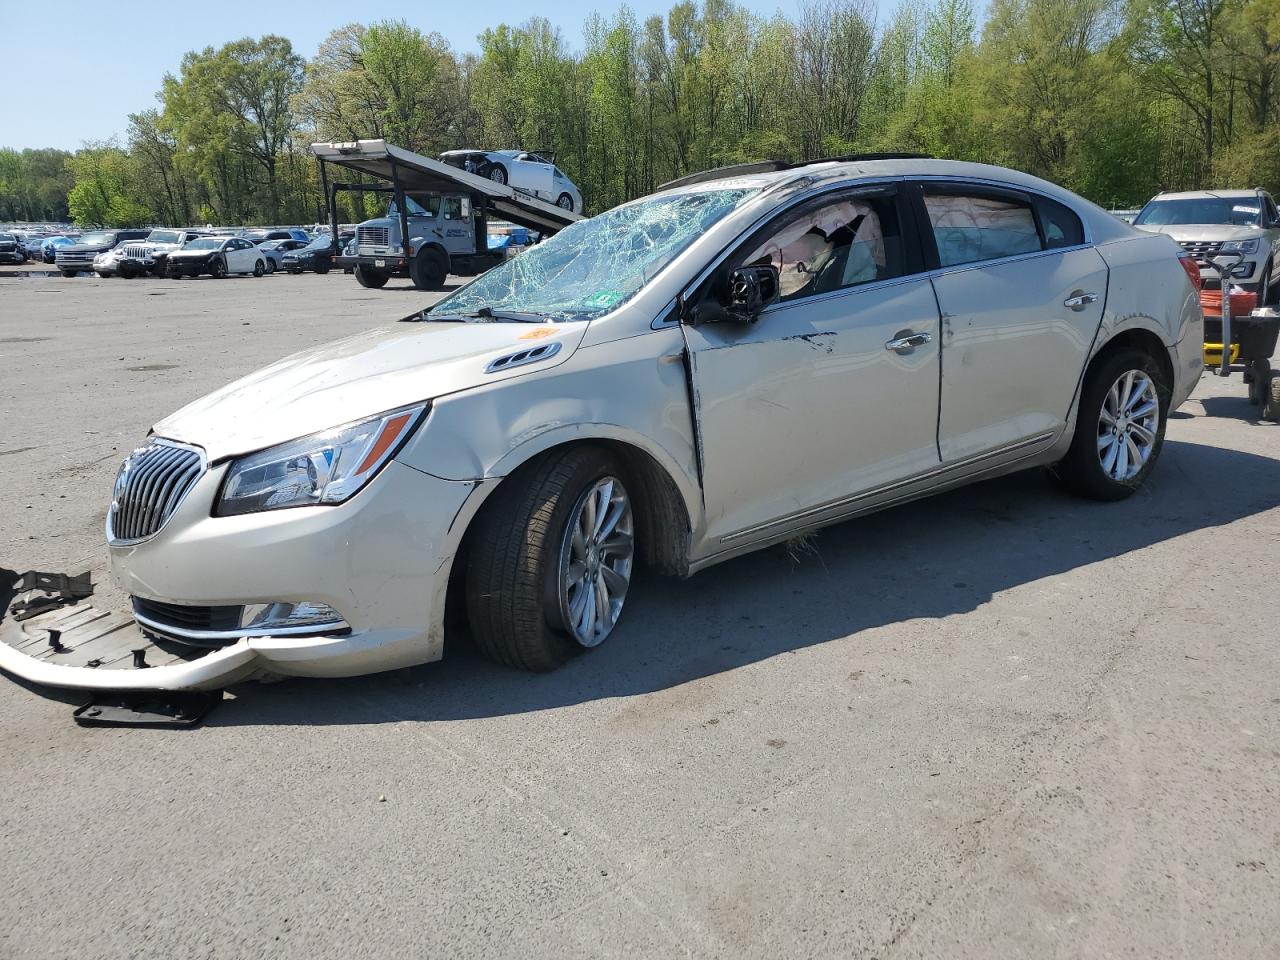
column 843, row 244
column 971, row 228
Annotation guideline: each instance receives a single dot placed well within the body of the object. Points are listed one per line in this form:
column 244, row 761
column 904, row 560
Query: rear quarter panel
column 1149, row 290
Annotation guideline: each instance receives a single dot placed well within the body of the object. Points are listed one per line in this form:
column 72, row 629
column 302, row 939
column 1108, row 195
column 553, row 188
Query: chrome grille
column 76, row 258
column 1200, row 248
column 152, row 481
column 136, row 251
column 372, row 236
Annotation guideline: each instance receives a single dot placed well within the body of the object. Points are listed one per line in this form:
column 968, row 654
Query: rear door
column 1021, row 293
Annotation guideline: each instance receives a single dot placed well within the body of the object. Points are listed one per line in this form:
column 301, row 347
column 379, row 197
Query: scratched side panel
column 807, row 405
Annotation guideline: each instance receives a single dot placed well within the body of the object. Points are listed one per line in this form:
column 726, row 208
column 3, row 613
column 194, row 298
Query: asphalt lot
column 999, row 723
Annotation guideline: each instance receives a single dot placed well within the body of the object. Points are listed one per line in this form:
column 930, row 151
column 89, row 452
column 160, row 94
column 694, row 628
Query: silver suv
column 1209, row 222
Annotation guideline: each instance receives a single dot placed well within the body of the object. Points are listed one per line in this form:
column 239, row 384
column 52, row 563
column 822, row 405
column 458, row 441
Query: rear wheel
column 1119, row 427
column 550, row 560
column 369, row 277
column 429, row 269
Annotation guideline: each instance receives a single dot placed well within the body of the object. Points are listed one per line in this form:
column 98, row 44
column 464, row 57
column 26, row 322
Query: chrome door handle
column 1080, row 300
column 906, row 340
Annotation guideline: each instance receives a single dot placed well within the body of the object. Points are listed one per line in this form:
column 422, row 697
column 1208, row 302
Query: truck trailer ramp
column 415, row 173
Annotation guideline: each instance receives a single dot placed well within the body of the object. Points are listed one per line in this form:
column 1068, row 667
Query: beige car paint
column 723, row 412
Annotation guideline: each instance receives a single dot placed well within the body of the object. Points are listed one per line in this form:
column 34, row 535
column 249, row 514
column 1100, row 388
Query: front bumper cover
column 382, row 560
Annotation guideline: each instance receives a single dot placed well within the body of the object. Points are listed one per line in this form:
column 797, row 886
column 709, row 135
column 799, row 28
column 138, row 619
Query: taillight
column 1190, row 265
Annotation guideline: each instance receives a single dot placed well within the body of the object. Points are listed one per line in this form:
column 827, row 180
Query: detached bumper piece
column 158, row 710
column 51, row 635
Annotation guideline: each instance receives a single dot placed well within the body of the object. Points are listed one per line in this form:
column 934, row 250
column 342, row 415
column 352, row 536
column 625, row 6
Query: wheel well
column 662, row 521
column 1138, row 339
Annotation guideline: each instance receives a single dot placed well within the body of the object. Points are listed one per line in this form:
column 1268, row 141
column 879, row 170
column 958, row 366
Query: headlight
column 1240, row 246
column 325, row 468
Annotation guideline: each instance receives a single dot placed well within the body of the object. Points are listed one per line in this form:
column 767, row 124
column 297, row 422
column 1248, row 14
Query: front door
column 1021, row 297
column 833, row 391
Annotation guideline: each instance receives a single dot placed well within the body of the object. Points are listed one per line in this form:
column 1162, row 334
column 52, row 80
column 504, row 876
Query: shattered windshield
column 592, row 266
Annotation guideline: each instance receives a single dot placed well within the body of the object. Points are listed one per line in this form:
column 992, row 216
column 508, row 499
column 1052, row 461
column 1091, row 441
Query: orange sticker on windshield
column 539, row 333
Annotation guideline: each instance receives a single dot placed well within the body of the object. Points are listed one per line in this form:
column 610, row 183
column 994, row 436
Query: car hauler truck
column 442, row 210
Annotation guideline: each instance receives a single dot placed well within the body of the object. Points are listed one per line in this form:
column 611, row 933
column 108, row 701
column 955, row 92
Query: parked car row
column 185, row 253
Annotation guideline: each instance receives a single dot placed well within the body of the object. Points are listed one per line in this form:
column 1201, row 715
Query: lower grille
column 184, row 623
column 152, row 482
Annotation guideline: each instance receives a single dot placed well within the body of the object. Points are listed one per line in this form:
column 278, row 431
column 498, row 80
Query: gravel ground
column 998, row 723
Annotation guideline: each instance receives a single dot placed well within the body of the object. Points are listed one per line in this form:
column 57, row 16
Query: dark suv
column 79, row 256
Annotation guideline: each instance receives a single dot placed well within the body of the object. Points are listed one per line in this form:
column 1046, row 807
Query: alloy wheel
column 1128, row 425
column 596, row 561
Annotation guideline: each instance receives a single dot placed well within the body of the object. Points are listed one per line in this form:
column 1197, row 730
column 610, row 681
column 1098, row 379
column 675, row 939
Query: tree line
column 1115, row 99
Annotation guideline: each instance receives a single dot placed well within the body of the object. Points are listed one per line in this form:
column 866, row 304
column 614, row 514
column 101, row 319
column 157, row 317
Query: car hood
column 357, row 377
column 1203, row 231
column 184, row 254
column 87, row 247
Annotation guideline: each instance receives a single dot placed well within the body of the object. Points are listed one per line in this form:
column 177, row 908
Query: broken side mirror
column 749, row 291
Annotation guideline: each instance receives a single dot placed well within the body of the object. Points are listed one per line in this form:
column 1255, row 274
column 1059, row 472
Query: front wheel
column 1271, row 406
column 69, row 273
column 367, row 276
column 1119, row 427
column 270, row 265
column 564, row 202
column 322, row 268
column 550, row 560
column 259, row 268
column 498, row 173
column 218, row 269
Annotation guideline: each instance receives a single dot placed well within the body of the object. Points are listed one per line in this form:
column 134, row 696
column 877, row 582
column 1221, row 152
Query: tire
column 104, row 274
column 1084, row 469
column 126, row 273
column 1271, row 409
column 69, row 273
column 564, row 202
column 157, row 268
column 259, row 268
column 497, row 173
column 1265, row 296
column 218, row 268
column 295, row 271
column 1258, row 376
column 371, row 278
column 521, row 551
column 270, row 265
column 322, row 268
column 429, row 269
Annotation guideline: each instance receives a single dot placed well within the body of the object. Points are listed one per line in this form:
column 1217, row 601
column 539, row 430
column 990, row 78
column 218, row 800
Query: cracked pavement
column 998, row 723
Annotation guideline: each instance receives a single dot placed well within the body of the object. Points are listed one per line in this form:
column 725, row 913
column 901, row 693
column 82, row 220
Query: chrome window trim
column 159, row 442
column 938, row 471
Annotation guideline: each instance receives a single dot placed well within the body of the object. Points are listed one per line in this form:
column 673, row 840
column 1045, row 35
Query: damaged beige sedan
column 743, row 356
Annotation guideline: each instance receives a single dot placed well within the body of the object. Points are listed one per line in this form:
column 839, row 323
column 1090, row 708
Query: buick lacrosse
column 745, row 355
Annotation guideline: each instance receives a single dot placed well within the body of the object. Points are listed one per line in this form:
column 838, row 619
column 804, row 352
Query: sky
column 81, row 68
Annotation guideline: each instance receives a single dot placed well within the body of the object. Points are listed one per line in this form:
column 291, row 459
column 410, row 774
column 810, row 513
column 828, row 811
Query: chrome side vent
column 532, row 355
column 152, row 482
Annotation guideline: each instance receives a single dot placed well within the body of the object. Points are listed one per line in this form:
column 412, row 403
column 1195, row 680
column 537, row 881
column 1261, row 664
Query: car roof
column 1208, row 194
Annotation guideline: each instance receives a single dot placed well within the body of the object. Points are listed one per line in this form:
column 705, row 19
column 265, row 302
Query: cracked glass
column 593, row 266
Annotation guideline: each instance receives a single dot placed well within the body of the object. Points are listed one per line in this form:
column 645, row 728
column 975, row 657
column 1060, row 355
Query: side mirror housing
column 749, row 291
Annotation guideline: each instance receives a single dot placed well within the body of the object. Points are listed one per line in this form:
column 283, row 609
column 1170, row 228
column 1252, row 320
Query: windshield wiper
column 485, row 315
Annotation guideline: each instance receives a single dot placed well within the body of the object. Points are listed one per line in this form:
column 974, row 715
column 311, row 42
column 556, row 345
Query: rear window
column 972, row 227
column 1062, row 228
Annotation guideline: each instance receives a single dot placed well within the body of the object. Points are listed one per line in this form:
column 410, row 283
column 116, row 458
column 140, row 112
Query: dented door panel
column 807, row 405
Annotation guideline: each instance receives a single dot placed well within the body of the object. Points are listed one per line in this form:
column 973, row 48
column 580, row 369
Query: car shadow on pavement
column 945, row 555
column 1235, row 408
